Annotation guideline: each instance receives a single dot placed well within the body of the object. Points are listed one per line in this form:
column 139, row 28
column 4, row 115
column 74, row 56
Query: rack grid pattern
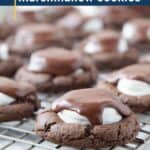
column 20, row 135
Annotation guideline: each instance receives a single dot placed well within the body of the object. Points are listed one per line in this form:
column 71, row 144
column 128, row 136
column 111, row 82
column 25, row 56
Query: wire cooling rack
column 20, row 135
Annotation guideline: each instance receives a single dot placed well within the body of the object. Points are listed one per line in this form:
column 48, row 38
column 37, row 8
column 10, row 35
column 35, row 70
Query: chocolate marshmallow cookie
column 132, row 85
column 57, row 69
column 8, row 63
column 31, row 37
column 116, row 16
column 137, row 33
column 108, row 50
column 88, row 118
column 78, row 25
column 17, row 100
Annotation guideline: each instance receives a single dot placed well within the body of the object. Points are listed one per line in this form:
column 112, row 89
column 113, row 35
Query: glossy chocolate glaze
column 58, row 61
column 15, row 89
column 90, row 103
column 137, row 72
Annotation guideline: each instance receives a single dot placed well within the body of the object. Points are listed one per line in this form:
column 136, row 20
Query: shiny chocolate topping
column 90, row 103
column 106, row 41
column 135, row 72
column 55, row 61
column 15, row 89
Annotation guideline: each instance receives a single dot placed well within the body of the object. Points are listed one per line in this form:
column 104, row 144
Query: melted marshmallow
column 69, row 116
column 133, row 87
column 122, row 46
column 91, row 48
column 128, row 31
column 93, row 25
column 4, row 53
column 36, row 63
column 5, row 99
column 109, row 116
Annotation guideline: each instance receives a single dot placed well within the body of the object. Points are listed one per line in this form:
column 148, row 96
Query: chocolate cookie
column 57, row 69
column 18, row 100
column 88, row 118
column 31, row 37
column 8, row 63
column 137, row 33
column 132, row 85
column 108, row 50
column 78, row 25
column 116, row 16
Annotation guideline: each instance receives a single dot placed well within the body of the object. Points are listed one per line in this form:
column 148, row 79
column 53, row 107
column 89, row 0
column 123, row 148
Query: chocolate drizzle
column 135, row 72
column 90, row 103
column 57, row 61
column 15, row 89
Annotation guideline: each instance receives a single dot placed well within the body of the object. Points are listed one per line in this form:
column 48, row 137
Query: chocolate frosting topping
column 57, row 61
column 136, row 72
column 15, row 89
column 90, row 103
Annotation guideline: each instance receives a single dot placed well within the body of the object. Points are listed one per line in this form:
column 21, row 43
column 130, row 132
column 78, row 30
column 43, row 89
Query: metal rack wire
column 20, row 135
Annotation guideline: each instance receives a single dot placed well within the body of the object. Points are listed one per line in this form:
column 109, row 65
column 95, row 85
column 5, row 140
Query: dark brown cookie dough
column 108, row 50
column 131, row 76
column 137, row 33
column 18, row 100
column 32, row 37
column 8, row 63
column 90, row 103
column 56, row 69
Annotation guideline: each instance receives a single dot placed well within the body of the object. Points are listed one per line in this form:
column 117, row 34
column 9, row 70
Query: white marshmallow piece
column 133, row 87
column 91, row 48
column 5, row 99
column 69, row 116
column 4, row 51
column 128, row 31
column 110, row 116
column 93, row 25
column 36, row 63
column 123, row 46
